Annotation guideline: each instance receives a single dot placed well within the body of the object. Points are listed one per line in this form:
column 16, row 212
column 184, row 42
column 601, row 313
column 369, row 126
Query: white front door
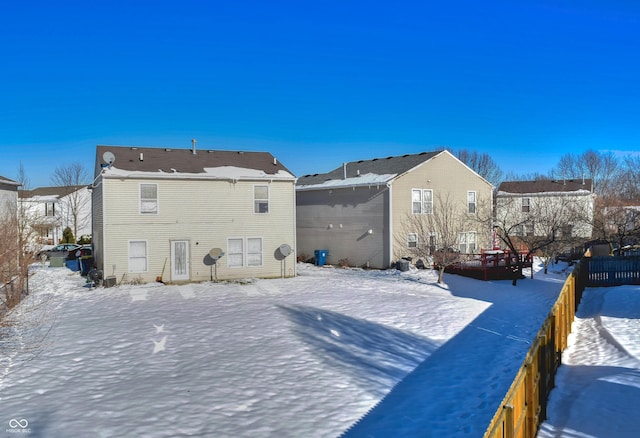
column 179, row 260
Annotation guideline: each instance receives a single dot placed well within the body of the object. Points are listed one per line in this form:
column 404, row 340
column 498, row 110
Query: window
column 412, row 240
column 467, row 242
column 235, row 253
column 433, row 243
column 422, row 201
column 471, row 202
column 149, row 198
column 566, row 230
column 137, row 256
column 244, row 252
column 261, row 199
column 50, row 209
column 526, row 205
column 254, row 251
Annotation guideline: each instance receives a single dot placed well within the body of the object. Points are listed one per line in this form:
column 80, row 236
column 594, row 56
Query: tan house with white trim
column 358, row 211
column 192, row 215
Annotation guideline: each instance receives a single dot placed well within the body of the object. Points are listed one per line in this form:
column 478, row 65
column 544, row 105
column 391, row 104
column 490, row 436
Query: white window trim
column 261, row 252
column 463, row 239
column 229, row 253
column 422, row 201
column 146, row 256
column 475, row 202
column 261, row 199
column 245, row 252
column 414, row 241
column 147, row 213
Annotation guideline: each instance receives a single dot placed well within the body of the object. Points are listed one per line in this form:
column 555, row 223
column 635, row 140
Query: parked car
column 61, row 250
column 81, row 251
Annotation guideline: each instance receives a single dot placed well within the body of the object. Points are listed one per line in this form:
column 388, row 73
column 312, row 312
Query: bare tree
column 71, row 179
column 435, row 235
column 482, row 164
column 601, row 167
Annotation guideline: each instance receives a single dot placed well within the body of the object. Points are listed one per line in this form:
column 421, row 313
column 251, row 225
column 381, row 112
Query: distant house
column 49, row 210
column 192, row 215
column 540, row 207
column 359, row 211
column 8, row 196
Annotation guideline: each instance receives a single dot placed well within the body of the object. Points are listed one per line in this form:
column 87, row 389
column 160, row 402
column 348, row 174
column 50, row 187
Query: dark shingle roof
column 185, row 161
column 378, row 166
column 545, row 186
column 49, row 191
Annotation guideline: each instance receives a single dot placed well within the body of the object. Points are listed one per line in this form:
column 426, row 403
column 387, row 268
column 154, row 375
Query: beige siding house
column 359, row 211
column 8, row 197
column 192, row 215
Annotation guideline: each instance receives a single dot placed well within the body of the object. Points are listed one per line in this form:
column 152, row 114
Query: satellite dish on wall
column 108, row 158
column 216, row 253
column 285, row 249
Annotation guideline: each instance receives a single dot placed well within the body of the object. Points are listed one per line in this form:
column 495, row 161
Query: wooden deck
column 490, row 265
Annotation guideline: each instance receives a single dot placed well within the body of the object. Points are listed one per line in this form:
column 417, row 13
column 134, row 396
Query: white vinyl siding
column 137, row 256
column 149, row 198
column 261, row 199
column 422, row 201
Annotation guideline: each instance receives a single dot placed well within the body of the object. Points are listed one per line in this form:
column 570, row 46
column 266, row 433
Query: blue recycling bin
column 321, row 256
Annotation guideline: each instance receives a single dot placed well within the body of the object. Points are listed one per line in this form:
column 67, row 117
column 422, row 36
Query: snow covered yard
column 597, row 390
column 305, row 356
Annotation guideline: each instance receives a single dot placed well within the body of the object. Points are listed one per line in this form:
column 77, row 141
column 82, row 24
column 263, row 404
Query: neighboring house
column 359, row 211
column 8, row 196
column 192, row 215
column 542, row 207
column 622, row 224
column 49, row 210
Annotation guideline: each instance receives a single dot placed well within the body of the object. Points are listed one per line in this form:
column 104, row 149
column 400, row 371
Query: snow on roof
column 222, row 172
column 368, row 179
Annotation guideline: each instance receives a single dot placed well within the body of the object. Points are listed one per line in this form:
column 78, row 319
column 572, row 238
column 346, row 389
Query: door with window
column 179, row 260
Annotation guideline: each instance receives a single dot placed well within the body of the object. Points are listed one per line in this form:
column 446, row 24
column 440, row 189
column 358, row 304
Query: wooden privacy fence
column 525, row 404
column 612, row 271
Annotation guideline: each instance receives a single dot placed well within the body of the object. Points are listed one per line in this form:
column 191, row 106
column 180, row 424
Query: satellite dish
column 216, row 253
column 108, row 158
column 285, row 249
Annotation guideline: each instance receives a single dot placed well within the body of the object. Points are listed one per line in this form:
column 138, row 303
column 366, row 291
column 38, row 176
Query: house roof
column 56, row 191
column 366, row 172
column 154, row 161
column 546, row 186
column 6, row 182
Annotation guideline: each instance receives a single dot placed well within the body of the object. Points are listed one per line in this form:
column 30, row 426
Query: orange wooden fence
column 524, row 406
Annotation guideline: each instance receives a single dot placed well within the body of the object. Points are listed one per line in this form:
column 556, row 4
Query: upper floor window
column 149, row 198
column 526, row 205
column 50, row 209
column 471, row 202
column 261, row 199
column 422, row 201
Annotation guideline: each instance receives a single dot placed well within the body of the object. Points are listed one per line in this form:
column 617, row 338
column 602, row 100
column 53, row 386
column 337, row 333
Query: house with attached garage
column 182, row 215
column 361, row 212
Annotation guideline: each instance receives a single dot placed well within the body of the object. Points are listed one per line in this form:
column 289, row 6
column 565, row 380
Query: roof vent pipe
column 275, row 161
column 193, row 146
column 141, row 157
column 344, row 170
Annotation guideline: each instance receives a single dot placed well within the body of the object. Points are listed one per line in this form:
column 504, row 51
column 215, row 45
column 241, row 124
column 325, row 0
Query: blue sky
column 318, row 83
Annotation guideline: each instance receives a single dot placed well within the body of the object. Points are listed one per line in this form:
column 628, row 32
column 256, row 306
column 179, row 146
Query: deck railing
column 524, row 406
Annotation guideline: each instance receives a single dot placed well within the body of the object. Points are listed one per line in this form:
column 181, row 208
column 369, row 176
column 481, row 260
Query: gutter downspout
column 295, row 229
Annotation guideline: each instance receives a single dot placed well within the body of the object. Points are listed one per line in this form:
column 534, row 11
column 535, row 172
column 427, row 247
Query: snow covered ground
column 370, row 353
column 597, row 390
